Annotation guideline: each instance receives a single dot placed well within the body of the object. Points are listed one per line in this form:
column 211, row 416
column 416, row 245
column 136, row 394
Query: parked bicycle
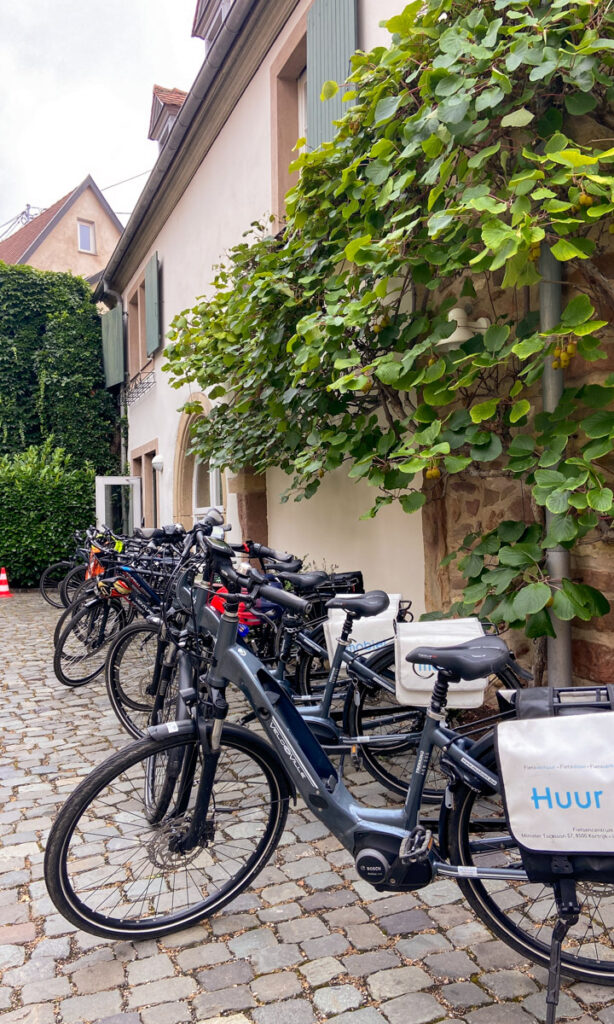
column 177, row 824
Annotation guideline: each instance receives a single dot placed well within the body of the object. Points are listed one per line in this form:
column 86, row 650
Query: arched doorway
column 196, row 485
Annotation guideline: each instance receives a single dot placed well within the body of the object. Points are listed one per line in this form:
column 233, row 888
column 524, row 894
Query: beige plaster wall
column 329, row 530
column 370, row 14
column 59, row 250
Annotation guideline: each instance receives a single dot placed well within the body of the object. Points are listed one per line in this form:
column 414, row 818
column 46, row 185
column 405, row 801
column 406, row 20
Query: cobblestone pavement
column 309, row 942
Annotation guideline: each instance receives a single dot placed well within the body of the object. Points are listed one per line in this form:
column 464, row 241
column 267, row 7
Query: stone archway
column 183, row 475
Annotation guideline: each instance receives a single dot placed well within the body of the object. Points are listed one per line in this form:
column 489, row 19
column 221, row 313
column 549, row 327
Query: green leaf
column 484, row 410
column 456, row 463
column 487, row 452
column 480, row 158
column 578, row 311
column 510, row 530
column 519, row 409
column 557, row 502
column 386, row 108
column 562, row 606
column 517, row 119
column 563, row 529
column 357, row 243
column 600, row 498
column 329, row 89
column 539, row 624
column 531, row 599
column 579, row 103
column 489, row 98
column 565, row 250
column 600, row 424
column 515, row 557
column 413, row 501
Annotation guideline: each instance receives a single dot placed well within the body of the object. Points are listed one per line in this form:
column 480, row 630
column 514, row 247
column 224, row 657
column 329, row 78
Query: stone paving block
column 363, row 964
column 211, row 1004
column 271, row 988
column 591, row 994
column 230, row 925
column 11, row 956
column 282, row 893
column 121, row 1018
column 161, row 991
column 194, row 936
column 151, row 969
column 406, row 923
column 203, row 956
column 302, row 928
column 167, row 1013
column 291, row 1011
column 422, row 1008
column 500, row 1013
column 252, row 941
column 464, row 935
column 464, row 994
column 536, row 1004
column 318, row 972
column 101, row 976
column 397, row 981
column 493, row 954
column 238, row 972
column 15, row 933
column 48, row 988
column 450, row 965
column 282, row 912
column 421, row 945
column 92, row 1007
column 365, row 936
column 336, row 999
column 368, row 1015
column 327, row 945
column 323, row 880
column 508, row 984
column 273, row 958
column 235, row 1018
column 39, row 1013
column 329, row 900
column 306, row 866
column 346, row 916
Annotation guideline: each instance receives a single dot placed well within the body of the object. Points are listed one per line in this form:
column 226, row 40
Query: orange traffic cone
column 4, row 584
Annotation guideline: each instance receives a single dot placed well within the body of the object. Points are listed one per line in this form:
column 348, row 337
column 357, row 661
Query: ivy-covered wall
column 51, row 377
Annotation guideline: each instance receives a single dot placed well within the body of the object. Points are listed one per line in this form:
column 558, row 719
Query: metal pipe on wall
column 557, row 559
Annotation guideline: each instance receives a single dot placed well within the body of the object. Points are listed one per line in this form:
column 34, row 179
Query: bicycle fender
column 160, row 732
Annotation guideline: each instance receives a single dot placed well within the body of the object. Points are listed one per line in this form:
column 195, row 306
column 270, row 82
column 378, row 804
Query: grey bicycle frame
column 313, row 774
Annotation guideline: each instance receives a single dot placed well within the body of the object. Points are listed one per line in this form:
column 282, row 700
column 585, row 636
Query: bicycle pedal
column 415, row 845
column 356, row 756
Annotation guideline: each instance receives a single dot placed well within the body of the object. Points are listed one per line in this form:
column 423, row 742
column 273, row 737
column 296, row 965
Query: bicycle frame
column 310, row 769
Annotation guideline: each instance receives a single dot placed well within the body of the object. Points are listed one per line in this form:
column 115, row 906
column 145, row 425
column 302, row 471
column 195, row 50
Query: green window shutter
column 113, row 346
column 152, row 305
column 331, row 41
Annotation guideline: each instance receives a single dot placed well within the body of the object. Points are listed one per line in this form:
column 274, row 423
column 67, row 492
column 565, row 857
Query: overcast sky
column 77, row 78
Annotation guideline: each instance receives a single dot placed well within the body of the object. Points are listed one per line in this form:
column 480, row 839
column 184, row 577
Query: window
column 209, row 18
column 86, row 237
column 207, row 487
column 144, row 319
column 288, row 112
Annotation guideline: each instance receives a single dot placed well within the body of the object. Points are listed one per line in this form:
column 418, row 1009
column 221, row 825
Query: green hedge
column 43, row 500
column 51, row 375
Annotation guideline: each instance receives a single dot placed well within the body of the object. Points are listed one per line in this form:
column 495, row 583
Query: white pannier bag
column 558, row 776
column 368, row 633
column 414, row 683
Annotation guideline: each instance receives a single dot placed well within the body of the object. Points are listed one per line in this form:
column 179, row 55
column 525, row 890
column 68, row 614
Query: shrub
column 43, row 500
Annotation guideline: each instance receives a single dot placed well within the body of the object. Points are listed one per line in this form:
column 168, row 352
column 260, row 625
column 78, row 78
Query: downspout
column 557, row 559
column 106, row 290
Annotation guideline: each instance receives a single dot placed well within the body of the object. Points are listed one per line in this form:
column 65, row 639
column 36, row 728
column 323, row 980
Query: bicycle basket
column 557, row 782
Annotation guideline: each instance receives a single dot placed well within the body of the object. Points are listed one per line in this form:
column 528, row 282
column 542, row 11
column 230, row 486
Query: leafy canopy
column 458, row 159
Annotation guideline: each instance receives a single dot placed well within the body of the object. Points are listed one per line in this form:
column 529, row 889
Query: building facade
column 224, row 164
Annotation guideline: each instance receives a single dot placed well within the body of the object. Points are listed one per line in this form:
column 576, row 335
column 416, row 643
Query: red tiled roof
column 169, row 97
column 13, row 248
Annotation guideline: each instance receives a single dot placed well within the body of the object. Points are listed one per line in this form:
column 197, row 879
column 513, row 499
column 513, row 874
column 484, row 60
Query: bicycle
column 177, row 824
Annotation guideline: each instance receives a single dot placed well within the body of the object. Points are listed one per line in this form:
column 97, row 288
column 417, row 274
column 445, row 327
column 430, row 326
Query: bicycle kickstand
column 569, row 912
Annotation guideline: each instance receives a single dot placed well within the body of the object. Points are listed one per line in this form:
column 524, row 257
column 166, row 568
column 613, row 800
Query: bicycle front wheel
column 82, row 646
column 112, row 872
column 524, row 913
column 129, row 671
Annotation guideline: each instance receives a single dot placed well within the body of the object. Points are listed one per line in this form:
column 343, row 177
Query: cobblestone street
column 308, row 942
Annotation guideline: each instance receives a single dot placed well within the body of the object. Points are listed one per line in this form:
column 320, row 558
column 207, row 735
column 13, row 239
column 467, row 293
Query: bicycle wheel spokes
column 122, row 874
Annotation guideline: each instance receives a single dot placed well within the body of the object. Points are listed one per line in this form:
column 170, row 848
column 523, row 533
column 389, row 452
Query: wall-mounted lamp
column 157, row 463
column 465, row 328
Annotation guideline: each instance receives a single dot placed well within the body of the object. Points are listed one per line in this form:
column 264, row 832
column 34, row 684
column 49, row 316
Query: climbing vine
column 479, row 139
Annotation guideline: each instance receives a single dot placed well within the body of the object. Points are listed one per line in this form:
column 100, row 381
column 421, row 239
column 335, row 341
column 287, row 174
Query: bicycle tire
column 164, row 770
column 522, row 914
column 71, row 583
column 129, row 669
column 51, row 578
column 126, row 865
column 80, row 653
column 312, row 670
column 69, row 612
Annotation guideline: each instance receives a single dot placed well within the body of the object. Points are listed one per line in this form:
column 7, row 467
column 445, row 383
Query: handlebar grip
column 283, row 598
column 261, row 551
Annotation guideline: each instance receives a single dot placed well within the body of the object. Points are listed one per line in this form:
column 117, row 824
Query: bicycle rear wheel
column 81, row 649
column 71, row 582
column 113, row 873
column 523, row 913
column 49, row 583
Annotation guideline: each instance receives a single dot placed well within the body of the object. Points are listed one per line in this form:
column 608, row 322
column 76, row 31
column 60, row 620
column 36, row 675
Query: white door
column 118, row 503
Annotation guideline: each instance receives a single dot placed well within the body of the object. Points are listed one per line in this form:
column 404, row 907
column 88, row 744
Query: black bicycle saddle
column 474, row 658
column 362, row 605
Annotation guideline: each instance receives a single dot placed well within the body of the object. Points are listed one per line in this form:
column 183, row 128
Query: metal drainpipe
column 557, row 559
column 122, row 394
